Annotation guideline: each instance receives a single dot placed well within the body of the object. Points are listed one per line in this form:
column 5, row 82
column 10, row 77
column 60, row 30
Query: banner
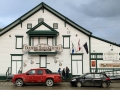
column 93, row 63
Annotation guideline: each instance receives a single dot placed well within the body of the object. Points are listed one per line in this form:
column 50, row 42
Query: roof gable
column 36, row 9
column 42, row 27
column 36, row 31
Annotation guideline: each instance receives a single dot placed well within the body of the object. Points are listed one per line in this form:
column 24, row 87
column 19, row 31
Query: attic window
column 40, row 20
column 29, row 25
column 55, row 25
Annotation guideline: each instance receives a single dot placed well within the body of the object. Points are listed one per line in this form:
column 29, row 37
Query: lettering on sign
column 42, row 47
column 109, row 64
column 111, row 56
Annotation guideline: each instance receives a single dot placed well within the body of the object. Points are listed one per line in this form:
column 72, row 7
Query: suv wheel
column 104, row 85
column 19, row 82
column 49, row 82
column 79, row 84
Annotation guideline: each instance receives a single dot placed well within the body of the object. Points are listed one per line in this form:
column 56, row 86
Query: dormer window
column 40, row 20
column 29, row 25
column 55, row 25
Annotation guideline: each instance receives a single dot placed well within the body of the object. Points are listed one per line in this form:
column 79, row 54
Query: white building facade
column 44, row 38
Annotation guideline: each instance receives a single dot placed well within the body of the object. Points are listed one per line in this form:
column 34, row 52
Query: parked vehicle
column 39, row 75
column 91, row 79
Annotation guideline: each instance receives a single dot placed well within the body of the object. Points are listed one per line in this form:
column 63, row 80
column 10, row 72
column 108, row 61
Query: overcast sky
column 101, row 17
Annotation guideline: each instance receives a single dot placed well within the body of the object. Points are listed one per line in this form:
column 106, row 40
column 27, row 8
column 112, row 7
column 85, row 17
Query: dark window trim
column 16, row 41
column 29, row 24
column 55, row 27
column 41, row 19
column 69, row 41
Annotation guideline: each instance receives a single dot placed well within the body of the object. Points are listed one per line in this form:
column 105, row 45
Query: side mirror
column 83, row 77
column 27, row 73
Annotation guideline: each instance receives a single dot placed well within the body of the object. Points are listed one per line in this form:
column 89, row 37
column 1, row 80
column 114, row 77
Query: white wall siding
column 101, row 46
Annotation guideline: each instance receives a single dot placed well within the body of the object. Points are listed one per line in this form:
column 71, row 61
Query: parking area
column 61, row 86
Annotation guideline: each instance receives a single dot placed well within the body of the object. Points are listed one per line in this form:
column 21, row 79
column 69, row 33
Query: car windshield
column 82, row 75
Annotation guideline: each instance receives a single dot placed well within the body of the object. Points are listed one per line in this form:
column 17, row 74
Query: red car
column 39, row 75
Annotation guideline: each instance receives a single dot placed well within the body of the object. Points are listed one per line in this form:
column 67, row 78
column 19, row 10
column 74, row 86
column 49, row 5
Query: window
column 19, row 42
column 39, row 72
column 31, row 72
column 99, row 56
column 29, row 25
column 93, row 56
column 88, row 76
column 98, row 75
column 40, row 20
column 48, row 71
column 66, row 41
column 55, row 25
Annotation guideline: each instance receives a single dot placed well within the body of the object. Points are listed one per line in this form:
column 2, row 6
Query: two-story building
column 44, row 38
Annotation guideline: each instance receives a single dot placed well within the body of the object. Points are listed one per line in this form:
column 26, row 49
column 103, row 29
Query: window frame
column 28, row 26
column 69, row 41
column 56, row 26
column 16, row 42
column 40, row 20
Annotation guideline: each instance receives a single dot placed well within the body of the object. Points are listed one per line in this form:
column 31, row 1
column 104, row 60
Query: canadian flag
column 79, row 45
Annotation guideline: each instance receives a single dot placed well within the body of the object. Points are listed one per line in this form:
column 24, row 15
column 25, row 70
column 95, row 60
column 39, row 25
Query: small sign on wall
column 109, row 64
column 93, row 63
column 111, row 56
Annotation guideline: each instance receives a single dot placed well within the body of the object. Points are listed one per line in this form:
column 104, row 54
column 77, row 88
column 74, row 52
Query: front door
column 77, row 64
column 29, row 76
column 16, row 66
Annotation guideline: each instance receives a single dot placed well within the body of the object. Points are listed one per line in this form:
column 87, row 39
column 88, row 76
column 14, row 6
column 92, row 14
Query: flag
column 86, row 47
column 79, row 45
column 72, row 48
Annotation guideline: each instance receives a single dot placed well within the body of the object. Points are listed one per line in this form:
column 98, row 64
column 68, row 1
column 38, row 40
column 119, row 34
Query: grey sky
column 101, row 17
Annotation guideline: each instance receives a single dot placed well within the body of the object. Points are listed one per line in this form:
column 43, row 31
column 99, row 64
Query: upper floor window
column 19, row 42
column 29, row 25
column 55, row 25
column 66, row 41
column 40, row 20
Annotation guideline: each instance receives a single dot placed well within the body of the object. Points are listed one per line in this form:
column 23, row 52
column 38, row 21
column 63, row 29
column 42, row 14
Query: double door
column 16, row 66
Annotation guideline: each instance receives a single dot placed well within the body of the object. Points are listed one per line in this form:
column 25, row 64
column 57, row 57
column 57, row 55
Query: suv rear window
column 48, row 71
column 105, row 75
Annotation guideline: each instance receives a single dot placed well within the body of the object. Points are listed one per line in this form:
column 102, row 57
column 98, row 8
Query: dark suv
column 91, row 79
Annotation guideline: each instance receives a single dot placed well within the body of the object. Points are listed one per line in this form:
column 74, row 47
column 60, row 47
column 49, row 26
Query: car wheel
column 104, row 85
column 49, row 82
column 79, row 84
column 19, row 82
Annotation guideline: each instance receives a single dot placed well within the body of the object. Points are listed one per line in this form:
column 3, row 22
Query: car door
column 98, row 79
column 29, row 76
column 88, row 80
column 38, row 77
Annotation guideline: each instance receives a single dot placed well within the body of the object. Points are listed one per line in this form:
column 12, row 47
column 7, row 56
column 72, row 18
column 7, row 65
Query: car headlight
column 73, row 80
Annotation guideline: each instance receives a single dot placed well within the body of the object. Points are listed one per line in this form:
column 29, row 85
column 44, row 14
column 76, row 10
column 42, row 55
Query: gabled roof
column 105, row 41
column 33, row 30
column 37, row 8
